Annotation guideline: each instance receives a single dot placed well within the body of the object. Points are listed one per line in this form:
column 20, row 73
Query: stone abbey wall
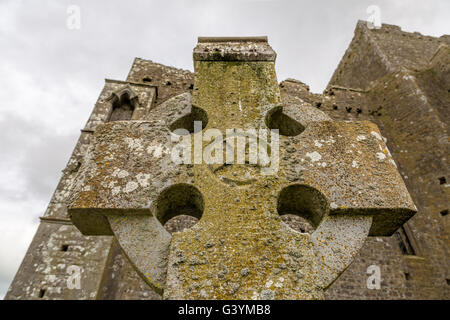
column 398, row 80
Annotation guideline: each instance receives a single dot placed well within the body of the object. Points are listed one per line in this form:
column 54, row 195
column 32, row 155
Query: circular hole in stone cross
column 307, row 203
column 179, row 206
column 276, row 119
column 179, row 223
column 297, row 223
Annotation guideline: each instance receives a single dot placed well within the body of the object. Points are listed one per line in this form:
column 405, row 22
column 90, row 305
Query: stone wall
column 169, row 81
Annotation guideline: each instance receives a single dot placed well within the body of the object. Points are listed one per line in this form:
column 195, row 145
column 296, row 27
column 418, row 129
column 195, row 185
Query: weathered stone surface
column 121, row 281
column 350, row 164
column 233, row 49
column 169, row 81
column 56, row 249
column 410, row 106
column 125, row 173
column 130, row 184
column 146, row 244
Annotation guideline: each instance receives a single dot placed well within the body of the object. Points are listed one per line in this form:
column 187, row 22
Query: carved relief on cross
column 338, row 175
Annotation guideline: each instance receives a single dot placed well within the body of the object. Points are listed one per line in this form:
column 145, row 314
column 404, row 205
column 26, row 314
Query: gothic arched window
column 123, row 105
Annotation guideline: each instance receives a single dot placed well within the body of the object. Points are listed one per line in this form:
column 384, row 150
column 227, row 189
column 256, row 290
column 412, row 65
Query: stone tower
column 398, row 80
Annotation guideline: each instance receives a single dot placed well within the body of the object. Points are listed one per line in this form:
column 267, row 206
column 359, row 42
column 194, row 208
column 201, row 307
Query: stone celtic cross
column 338, row 175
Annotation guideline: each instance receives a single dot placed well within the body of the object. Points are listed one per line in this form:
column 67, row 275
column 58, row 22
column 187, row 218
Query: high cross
column 338, row 175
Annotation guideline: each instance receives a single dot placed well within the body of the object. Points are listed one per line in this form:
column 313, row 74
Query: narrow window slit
column 404, row 242
column 42, row 293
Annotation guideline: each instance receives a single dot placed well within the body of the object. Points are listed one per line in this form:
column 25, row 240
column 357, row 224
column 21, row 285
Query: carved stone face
column 337, row 175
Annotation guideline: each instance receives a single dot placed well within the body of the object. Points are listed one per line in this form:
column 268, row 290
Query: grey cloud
column 38, row 152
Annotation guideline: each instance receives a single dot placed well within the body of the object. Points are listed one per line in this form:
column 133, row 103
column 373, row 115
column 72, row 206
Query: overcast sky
column 51, row 76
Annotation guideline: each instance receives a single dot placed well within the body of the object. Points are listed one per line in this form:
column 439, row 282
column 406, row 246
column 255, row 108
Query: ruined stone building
column 397, row 80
